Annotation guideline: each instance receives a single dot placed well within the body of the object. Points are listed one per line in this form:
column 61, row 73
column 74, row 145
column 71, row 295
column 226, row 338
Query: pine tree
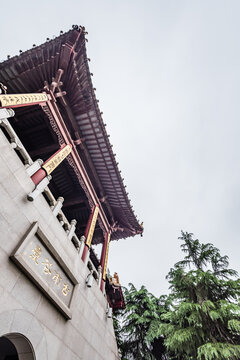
column 204, row 321
column 137, row 339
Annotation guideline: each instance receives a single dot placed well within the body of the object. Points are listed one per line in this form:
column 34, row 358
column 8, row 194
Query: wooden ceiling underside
column 78, row 105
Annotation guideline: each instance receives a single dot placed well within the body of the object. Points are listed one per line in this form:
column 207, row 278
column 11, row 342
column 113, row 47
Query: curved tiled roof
column 28, row 72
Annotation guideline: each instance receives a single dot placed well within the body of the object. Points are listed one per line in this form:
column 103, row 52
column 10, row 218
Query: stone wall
column 24, row 309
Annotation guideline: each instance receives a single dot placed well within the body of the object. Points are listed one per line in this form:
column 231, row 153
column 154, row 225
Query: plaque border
column 17, row 258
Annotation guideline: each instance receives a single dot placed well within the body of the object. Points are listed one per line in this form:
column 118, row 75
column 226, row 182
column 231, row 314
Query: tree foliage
column 204, row 321
column 137, row 339
column 199, row 320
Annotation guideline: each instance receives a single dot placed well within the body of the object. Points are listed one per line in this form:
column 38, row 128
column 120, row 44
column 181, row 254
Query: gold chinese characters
column 65, row 289
column 36, row 254
column 92, row 227
column 22, row 99
column 56, row 278
column 106, row 257
column 56, row 159
column 47, row 269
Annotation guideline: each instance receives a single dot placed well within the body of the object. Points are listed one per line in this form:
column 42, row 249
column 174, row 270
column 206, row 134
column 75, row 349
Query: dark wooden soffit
column 29, row 71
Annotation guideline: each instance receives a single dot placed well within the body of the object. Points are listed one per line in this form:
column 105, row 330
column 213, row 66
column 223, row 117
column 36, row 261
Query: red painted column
column 90, row 230
column 38, row 176
column 104, row 258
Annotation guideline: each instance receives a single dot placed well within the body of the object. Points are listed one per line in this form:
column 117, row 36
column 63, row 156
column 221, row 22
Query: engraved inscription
column 65, row 289
column 36, row 254
column 43, row 263
column 57, row 277
column 47, row 267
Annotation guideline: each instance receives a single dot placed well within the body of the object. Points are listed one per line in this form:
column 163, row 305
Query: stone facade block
column 24, row 309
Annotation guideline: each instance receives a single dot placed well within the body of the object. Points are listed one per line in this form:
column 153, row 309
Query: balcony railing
column 55, row 205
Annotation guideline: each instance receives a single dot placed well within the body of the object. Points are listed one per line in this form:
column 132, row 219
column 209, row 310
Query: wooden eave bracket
column 60, row 94
column 79, row 141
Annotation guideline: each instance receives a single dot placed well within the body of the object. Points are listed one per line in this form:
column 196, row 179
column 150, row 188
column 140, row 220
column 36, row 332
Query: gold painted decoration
column 56, row 159
column 106, row 258
column 92, row 226
column 56, row 278
column 22, row 99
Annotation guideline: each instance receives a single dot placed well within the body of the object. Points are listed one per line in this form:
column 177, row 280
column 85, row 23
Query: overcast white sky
column 167, row 75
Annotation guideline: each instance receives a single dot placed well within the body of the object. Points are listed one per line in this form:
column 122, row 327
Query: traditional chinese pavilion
column 61, row 192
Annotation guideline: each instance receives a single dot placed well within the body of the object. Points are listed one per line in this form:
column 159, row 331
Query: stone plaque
column 40, row 261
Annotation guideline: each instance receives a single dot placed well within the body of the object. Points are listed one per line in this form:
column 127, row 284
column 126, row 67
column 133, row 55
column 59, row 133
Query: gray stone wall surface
column 24, row 309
